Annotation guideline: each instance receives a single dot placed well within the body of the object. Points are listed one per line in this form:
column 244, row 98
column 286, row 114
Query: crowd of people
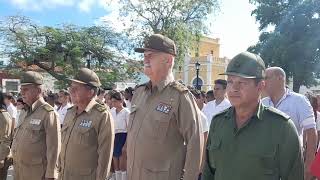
column 250, row 126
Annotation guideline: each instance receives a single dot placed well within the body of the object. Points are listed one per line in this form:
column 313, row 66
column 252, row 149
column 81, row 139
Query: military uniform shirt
column 36, row 143
column 164, row 133
column 87, row 143
column 5, row 134
column 265, row 148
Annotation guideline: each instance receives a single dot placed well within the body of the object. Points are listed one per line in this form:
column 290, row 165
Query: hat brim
column 142, row 50
column 77, row 81
column 24, row 84
column 239, row 75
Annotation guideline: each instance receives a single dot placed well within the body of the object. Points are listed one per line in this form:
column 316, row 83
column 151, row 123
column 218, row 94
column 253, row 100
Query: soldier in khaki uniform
column 6, row 130
column 164, row 138
column 87, row 133
column 37, row 141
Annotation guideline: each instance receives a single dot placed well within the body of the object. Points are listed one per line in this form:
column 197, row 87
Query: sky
column 233, row 24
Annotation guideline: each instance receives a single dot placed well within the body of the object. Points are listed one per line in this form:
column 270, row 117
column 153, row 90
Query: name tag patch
column 35, row 121
column 164, row 108
column 85, row 124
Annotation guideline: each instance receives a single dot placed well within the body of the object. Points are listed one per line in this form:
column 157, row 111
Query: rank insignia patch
column 85, row 124
column 164, row 108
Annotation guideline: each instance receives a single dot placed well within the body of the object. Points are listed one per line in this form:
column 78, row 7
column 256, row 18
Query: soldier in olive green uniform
column 164, row 138
column 6, row 130
column 87, row 133
column 250, row 141
column 37, row 141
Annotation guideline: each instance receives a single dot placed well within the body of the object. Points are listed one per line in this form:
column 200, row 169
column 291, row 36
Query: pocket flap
column 83, row 130
column 157, row 167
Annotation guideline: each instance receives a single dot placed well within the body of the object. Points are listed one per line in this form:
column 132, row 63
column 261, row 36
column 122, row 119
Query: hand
column 2, row 164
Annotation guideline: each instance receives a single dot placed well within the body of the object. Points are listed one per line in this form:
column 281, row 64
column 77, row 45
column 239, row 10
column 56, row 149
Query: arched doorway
column 200, row 83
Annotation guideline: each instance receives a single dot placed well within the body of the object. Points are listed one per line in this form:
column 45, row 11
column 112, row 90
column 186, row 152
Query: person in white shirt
column 205, row 128
column 128, row 93
column 121, row 118
column 64, row 100
column 297, row 107
column 220, row 103
column 20, row 107
column 210, row 96
column 100, row 95
column 12, row 110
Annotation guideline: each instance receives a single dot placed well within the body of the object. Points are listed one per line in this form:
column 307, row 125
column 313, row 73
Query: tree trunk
column 50, row 71
column 296, row 84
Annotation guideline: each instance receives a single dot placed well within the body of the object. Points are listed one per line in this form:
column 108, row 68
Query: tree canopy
column 295, row 41
column 62, row 50
column 181, row 20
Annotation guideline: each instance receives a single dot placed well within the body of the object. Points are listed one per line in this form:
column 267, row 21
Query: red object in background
column 315, row 166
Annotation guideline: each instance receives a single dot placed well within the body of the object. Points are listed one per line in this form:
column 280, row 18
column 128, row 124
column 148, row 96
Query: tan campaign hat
column 87, row 76
column 158, row 42
column 31, row 77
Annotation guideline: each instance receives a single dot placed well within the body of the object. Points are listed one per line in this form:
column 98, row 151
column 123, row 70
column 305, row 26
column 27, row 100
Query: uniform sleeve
column 209, row 171
column 290, row 155
column 53, row 143
column 105, row 146
column 305, row 114
column 204, row 120
column 5, row 136
column 189, row 123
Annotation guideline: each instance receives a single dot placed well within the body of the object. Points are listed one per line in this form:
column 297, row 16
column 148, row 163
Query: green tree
column 295, row 41
column 181, row 20
column 62, row 50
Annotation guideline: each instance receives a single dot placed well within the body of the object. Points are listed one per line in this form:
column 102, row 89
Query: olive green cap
column 31, row 77
column 246, row 65
column 87, row 76
column 160, row 43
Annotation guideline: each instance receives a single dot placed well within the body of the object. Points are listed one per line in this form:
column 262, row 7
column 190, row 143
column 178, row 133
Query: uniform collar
column 37, row 104
column 162, row 84
column 91, row 104
column 257, row 115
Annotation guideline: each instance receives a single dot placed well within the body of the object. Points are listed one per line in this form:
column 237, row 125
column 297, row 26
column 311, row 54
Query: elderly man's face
column 79, row 93
column 156, row 64
column 30, row 93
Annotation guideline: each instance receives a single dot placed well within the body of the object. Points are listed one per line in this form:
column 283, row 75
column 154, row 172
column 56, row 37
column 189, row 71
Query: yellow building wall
column 206, row 47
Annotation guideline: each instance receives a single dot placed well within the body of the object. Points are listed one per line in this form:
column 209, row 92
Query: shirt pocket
column 160, row 128
column 84, row 136
column 34, row 132
column 265, row 163
column 131, row 118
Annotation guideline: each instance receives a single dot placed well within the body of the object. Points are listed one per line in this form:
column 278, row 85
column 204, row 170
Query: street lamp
column 197, row 69
column 88, row 55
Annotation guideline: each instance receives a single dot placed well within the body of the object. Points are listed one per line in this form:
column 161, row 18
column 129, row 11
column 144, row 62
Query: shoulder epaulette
column 100, row 107
column 48, row 108
column 278, row 112
column 69, row 108
column 222, row 112
column 140, row 85
column 178, row 86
